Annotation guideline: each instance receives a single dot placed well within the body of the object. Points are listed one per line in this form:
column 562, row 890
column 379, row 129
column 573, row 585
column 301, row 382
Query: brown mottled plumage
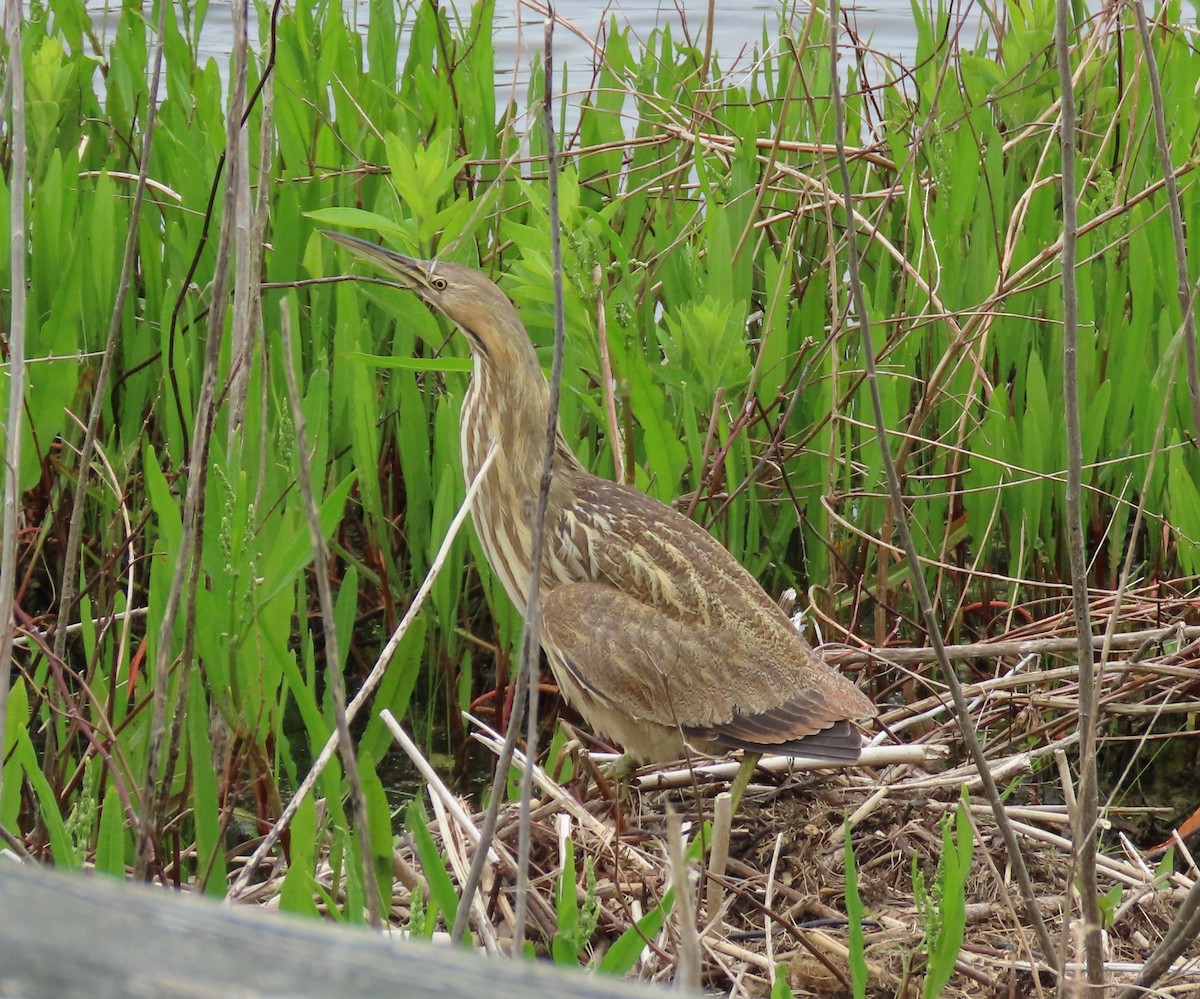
column 653, row 630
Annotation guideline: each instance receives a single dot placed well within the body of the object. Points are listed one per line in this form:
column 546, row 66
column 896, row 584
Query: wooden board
column 64, row 935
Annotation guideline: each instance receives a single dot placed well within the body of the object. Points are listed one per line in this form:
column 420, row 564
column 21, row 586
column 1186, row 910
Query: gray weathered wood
column 64, row 935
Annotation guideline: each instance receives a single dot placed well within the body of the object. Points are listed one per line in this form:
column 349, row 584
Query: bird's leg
column 622, row 769
column 619, row 771
column 742, row 778
column 613, row 781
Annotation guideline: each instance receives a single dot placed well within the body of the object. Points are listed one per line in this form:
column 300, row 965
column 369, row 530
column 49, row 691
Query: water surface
column 738, row 28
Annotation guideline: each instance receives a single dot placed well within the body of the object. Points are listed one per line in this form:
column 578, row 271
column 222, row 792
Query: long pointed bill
column 410, row 272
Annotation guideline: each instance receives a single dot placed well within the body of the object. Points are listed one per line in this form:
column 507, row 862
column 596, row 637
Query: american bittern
column 654, row 632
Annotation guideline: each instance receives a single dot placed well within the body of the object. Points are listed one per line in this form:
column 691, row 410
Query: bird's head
column 462, row 294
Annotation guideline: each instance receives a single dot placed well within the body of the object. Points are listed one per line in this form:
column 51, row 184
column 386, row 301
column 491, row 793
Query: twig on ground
column 992, row 649
column 687, row 974
column 718, row 854
column 872, row 756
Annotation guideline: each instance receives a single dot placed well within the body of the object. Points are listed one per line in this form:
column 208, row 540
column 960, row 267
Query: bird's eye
column 438, row 283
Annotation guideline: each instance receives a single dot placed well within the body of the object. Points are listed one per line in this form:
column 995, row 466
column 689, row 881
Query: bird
column 655, row 634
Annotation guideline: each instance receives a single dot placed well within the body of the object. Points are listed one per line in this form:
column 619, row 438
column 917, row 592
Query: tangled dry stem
column 779, row 900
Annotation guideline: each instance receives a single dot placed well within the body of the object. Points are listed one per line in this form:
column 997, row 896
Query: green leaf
column 859, row 974
column 210, row 850
column 666, row 455
column 457, row 365
column 285, row 562
column 299, row 886
column 356, row 218
column 379, row 824
column 164, row 504
column 1110, row 901
column 620, row 958
column 110, row 838
column 60, row 842
column 954, row 867
column 396, row 688
column 779, row 987
column 441, row 888
column 17, row 721
column 566, row 940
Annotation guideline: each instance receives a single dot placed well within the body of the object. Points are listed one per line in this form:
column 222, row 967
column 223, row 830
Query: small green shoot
column 1110, row 901
column 621, row 957
column 576, row 921
column 780, row 989
column 441, row 889
column 854, row 913
column 944, row 912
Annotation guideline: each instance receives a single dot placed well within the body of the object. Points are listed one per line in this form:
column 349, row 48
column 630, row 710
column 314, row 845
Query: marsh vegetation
column 169, row 672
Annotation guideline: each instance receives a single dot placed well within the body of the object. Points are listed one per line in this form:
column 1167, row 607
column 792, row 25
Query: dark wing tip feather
column 838, row 742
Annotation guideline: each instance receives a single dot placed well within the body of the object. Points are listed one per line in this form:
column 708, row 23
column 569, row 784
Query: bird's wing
column 708, row 682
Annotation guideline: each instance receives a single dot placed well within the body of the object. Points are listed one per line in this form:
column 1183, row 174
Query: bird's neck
column 510, row 408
